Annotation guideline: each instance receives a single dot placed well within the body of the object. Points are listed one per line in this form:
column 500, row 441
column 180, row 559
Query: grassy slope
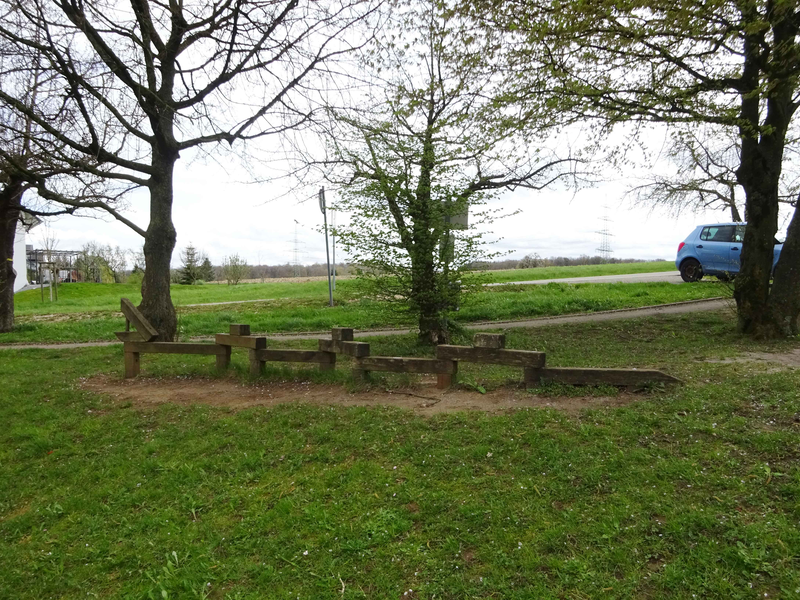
column 579, row 271
column 691, row 492
column 99, row 297
column 313, row 314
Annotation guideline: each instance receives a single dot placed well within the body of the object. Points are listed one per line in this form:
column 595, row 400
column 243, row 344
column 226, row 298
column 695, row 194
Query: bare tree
column 148, row 81
column 234, row 269
column 34, row 165
column 705, row 161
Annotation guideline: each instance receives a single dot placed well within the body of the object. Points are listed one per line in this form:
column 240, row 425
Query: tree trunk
column 159, row 243
column 426, row 294
column 784, row 300
column 10, row 199
column 760, row 168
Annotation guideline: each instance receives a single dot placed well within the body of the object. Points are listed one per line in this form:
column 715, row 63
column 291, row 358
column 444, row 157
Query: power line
column 605, row 236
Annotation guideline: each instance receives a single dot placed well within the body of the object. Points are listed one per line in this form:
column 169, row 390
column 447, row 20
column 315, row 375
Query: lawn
column 690, row 492
column 104, row 297
column 311, row 313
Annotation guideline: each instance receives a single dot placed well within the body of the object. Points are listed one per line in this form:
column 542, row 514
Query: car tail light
column 681, row 245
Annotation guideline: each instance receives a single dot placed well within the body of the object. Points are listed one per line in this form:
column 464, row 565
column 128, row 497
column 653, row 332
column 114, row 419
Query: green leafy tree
column 727, row 63
column 428, row 141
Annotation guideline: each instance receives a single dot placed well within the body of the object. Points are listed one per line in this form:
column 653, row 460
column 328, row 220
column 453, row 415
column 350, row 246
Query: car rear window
column 718, row 233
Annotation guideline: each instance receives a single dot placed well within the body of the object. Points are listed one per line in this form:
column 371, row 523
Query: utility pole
column 327, row 250
column 333, row 224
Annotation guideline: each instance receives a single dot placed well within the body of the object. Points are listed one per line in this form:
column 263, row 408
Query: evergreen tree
column 206, row 271
column 190, row 272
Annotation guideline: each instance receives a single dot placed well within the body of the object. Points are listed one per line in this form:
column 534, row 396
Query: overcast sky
column 221, row 215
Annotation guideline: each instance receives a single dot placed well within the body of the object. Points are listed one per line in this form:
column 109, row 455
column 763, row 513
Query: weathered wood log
column 342, row 334
column 497, row 356
column 224, row 360
column 131, row 364
column 129, row 336
column 256, row 365
column 241, row 341
column 396, row 364
column 311, row 356
column 581, row 376
column 239, row 329
column 138, row 320
column 355, row 349
column 489, row 340
column 174, row 348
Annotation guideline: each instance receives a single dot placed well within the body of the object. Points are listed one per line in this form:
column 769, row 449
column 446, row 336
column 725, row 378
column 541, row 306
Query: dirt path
column 676, row 308
column 423, row 399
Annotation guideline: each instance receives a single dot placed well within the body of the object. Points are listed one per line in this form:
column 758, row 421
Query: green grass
column 93, row 297
column 661, row 266
column 689, row 492
column 313, row 314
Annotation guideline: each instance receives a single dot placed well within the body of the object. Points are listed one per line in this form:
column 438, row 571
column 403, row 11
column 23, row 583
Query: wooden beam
column 129, row 336
column 496, row 356
column 256, row 365
column 489, row 340
column 241, row 341
column 311, row 356
column 342, row 334
column 131, row 364
column 137, row 319
column 619, row 377
column 355, row 349
column 397, row 364
column 239, row 330
column 224, row 360
column 174, row 348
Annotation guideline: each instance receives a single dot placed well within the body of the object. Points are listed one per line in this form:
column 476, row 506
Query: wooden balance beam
column 132, row 350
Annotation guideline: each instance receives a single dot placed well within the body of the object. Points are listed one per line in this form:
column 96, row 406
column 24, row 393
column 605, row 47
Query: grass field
column 104, row 297
column 690, row 492
column 311, row 313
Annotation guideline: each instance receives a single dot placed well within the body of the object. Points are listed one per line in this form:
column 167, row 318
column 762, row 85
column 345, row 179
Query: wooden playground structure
column 487, row 348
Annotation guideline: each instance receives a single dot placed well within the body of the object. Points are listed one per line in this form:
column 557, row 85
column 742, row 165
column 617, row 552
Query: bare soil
column 790, row 358
column 424, row 399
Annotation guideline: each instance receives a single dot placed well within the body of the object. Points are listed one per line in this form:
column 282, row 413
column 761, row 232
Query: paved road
column 676, row 308
column 669, row 276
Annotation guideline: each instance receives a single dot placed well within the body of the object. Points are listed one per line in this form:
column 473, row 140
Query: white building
column 25, row 224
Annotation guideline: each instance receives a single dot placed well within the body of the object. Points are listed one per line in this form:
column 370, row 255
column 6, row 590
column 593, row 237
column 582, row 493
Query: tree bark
column 784, row 300
column 10, row 199
column 760, row 168
column 159, row 243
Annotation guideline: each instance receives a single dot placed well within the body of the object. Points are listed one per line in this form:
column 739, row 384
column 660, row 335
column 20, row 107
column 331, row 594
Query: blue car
column 714, row 250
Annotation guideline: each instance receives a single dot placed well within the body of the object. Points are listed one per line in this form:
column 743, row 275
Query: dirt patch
column 423, row 399
column 790, row 358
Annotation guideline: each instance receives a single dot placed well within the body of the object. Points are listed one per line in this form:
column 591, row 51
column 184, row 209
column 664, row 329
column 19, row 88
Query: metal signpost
column 327, row 250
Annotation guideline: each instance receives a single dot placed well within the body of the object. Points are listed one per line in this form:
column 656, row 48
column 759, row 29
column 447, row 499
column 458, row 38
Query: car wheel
column 691, row 270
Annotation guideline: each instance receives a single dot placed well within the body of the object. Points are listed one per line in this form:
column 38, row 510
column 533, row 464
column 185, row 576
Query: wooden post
column 445, row 380
column 532, row 376
column 131, row 364
column 329, row 366
column 256, row 364
column 224, row 360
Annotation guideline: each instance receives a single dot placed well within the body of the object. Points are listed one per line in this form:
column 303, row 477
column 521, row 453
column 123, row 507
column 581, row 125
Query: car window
column 738, row 236
column 718, row 233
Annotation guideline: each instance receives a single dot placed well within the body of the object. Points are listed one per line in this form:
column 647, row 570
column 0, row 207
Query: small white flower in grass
column 488, row 455
column 305, row 553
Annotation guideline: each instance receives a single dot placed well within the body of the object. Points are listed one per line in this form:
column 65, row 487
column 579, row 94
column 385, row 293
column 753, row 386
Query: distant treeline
column 533, row 261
